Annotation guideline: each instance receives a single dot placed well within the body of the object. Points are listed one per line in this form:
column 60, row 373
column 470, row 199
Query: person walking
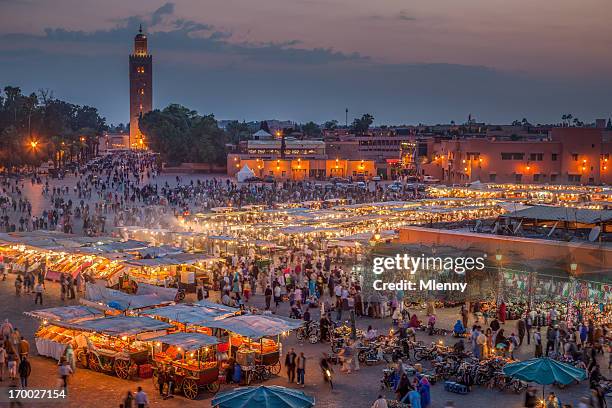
column 537, row 341
column 3, row 357
column 24, row 347
column 128, row 401
column 12, row 365
column 64, row 372
column 25, row 369
column 38, row 290
column 290, row 360
column 301, row 368
column 268, row 295
column 521, row 329
column 141, row 398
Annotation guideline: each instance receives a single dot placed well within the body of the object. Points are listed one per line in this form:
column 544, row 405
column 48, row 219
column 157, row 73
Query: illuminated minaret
column 141, row 87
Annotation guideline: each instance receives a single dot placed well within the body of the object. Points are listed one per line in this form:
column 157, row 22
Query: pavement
column 358, row 389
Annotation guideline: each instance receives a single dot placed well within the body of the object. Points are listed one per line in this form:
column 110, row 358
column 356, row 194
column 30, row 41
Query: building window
column 140, row 70
column 492, row 177
column 553, row 178
column 573, row 178
column 512, row 156
column 554, row 157
column 536, row 156
column 536, row 178
column 575, row 156
column 473, row 155
column 518, row 178
column 142, row 91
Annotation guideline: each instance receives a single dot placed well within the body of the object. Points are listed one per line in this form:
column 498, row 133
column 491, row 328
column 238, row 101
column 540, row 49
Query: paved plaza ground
column 92, row 389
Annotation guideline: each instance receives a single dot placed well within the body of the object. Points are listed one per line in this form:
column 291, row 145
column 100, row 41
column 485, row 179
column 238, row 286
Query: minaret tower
column 141, row 87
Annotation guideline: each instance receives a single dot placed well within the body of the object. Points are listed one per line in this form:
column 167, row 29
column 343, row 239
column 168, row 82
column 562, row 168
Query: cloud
column 405, row 16
column 167, row 33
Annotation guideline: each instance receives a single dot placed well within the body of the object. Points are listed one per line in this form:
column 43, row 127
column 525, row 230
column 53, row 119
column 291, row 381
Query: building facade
column 566, row 155
column 294, row 159
column 141, row 87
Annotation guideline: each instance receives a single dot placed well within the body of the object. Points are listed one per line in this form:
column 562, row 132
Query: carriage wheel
column 122, row 369
column 81, row 357
column 190, row 388
column 213, row 387
column 93, row 362
column 314, row 337
column 276, row 368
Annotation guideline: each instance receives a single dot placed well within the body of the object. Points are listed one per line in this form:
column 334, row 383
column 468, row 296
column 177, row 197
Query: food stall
column 50, row 339
column 189, row 358
column 116, row 344
column 190, row 318
column 255, row 339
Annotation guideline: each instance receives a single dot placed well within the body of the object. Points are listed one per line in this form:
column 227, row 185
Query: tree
column 237, row 131
column 181, row 135
column 361, row 125
column 330, row 125
column 311, row 129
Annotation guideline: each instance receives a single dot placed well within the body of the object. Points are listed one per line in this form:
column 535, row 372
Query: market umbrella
column 263, row 396
column 544, row 371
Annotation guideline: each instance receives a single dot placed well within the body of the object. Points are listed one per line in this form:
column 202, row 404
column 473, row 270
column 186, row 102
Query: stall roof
column 66, row 313
column 568, row 214
column 122, row 325
column 186, row 314
column 123, row 301
column 216, row 306
column 187, row 341
column 129, row 245
column 256, row 326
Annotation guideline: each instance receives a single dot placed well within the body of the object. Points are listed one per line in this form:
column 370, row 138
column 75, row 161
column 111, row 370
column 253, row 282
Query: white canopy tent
column 244, row 174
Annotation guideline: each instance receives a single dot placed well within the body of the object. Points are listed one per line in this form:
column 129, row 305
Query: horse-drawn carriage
column 188, row 360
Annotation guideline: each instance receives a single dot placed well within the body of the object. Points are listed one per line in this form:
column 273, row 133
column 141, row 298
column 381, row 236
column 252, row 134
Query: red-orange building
column 566, row 156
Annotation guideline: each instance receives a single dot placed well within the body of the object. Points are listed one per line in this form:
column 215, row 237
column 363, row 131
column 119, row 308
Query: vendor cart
column 189, row 359
column 117, row 344
column 250, row 339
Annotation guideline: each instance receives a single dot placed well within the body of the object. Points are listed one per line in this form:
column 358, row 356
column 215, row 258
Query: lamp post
column 571, row 294
column 500, row 279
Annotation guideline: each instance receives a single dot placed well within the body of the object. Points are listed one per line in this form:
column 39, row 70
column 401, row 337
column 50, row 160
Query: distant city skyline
column 302, row 60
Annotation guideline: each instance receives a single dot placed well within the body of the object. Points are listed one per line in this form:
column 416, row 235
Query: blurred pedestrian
column 25, row 369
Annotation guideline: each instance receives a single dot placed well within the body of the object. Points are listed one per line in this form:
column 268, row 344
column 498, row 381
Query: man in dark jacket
column 25, row 369
column 290, row 364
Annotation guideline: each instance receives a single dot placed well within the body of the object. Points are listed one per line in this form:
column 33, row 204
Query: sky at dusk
column 404, row 61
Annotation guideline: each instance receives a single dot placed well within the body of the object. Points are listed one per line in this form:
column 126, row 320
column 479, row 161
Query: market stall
column 51, row 340
column 255, row 339
column 116, row 344
column 189, row 359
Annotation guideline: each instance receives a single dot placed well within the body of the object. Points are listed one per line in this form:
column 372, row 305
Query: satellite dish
column 594, row 234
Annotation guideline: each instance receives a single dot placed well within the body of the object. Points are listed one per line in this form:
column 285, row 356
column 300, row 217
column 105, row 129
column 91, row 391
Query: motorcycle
column 310, row 332
column 327, row 377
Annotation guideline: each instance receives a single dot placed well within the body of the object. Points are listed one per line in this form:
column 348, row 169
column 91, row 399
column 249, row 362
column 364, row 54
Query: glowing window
column 140, row 70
